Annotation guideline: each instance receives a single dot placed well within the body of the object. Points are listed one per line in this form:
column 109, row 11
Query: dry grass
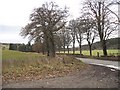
column 39, row 68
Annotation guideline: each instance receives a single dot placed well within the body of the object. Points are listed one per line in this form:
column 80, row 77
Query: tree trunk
column 100, row 30
column 90, row 49
column 47, row 44
column 52, row 50
column 68, row 49
column 80, row 48
column 73, row 47
column 64, row 48
column 48, row 52
column 104, row 47
column 52, row 46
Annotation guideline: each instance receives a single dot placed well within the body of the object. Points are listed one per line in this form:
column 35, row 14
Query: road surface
column 91, row 77
column 106, row 63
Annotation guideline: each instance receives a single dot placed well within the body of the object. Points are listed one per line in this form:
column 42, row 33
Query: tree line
column 50, row 28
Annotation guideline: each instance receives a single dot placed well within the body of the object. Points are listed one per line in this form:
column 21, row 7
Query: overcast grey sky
column 16, row 13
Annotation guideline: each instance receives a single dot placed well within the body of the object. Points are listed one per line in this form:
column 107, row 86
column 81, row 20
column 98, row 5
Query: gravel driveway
column 92, row 77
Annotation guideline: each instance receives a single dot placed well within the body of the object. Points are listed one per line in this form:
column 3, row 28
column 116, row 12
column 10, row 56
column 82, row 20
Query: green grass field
column 94, row 52
column 16, row 55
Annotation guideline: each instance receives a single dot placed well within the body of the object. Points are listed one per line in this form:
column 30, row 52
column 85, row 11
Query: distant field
column 16, row 55
column 94, row 52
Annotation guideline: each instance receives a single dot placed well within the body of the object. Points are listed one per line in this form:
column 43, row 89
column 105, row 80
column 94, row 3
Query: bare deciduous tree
column 90, row 31
column 68, row 39
column 106, row 19
column 45, row 21
column 79, row 33
column 72, row 26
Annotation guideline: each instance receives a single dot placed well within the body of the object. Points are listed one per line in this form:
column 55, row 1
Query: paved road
column 106, row 63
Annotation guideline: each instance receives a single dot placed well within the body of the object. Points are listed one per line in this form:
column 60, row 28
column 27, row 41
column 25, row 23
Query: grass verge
column 36, row 66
